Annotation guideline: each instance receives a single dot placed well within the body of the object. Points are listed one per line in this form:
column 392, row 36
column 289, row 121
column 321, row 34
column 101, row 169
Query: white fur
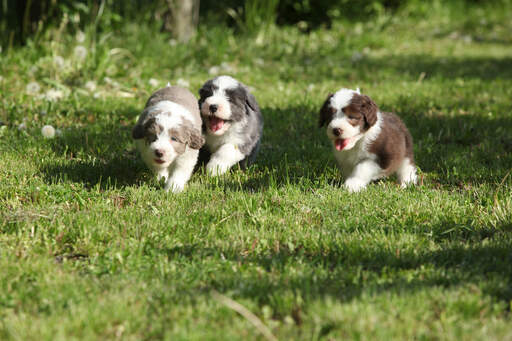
column 176, row 169
column 223, row 159
column 357, row 164
column 406, row 173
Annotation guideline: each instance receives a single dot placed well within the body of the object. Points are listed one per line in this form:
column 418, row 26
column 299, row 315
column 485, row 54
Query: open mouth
column 159, row 161
column 340, row 144
column 215, row 123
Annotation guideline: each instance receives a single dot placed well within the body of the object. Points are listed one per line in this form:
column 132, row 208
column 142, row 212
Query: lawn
column 91, row 247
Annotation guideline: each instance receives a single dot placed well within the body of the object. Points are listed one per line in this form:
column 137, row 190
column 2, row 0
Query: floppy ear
column 138, row 132
column 326, row 112
column 369, row 110
column 250, row 102
column 195, row 139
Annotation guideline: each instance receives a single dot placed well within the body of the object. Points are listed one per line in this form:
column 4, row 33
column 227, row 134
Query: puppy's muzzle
column 337, row 132
column 159, row 153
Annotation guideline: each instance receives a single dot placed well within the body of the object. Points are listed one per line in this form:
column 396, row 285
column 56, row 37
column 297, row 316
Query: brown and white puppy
column 368, row 144
column 233, row 124
column 168, row 135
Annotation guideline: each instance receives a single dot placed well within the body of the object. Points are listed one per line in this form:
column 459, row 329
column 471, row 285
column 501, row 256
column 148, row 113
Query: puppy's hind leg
column 406, row 173
column 182, row 169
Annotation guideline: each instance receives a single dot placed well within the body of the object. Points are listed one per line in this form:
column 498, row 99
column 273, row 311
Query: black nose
column 337, row 131
column 213, row 108
column 159, row 153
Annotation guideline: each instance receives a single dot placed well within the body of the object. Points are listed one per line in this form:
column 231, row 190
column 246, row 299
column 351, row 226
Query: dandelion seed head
column 33, row 88
column 48, row 131
column 80, row 52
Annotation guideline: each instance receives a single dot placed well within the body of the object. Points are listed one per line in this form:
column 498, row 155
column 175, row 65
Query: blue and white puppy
column 168, row 135
column 232, row 123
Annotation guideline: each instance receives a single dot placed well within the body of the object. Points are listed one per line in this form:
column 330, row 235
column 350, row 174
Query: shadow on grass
column 98, row 157
column 345, row 272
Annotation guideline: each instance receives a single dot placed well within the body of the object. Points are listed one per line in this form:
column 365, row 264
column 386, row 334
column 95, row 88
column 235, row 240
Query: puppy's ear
column 196, row 139
column 369, row 110
column 138, row 131
column 250, row 103
column 192, row 136
column 325, row 112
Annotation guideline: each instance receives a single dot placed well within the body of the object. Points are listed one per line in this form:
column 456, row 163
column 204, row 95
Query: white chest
column 348, row 159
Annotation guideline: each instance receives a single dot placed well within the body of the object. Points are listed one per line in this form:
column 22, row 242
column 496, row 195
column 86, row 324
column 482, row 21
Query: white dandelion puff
column 183, row 82
column 48, row 132
column 32, row 88
column 153, row 82
column 58, row 61
column 214, row 70
column 53, row 95
column 80, row 52
column 173, row 42
column 80, row 37
column 90, row 85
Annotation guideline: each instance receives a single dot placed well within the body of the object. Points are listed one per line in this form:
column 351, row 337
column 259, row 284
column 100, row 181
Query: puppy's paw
column 354, row 184
column 215, row 168
column 175, row 187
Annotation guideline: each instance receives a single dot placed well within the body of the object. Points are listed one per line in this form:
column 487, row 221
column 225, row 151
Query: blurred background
column 23, row 20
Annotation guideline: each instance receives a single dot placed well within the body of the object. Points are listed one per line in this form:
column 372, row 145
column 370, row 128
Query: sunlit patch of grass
column 91, row 247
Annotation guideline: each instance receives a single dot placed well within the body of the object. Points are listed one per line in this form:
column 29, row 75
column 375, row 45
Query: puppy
column 168, row 135
column 232, row 123
column 368, row 144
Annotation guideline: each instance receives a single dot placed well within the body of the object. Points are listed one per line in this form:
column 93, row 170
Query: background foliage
column 24, row 19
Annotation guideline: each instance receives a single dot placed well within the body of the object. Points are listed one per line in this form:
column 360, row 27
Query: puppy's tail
column 168, row 84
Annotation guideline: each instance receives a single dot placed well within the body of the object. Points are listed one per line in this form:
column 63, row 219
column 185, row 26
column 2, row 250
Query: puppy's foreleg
column 223, row 159
column 362, row 174
column 181, row 171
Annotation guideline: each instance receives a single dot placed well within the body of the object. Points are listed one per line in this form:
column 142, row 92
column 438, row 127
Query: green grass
column 92, row 248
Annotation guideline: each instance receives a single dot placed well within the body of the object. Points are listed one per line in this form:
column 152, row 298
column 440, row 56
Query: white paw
column 216, row 168
column 354, row 184
column 174, row 187
column 162, row 175
column 412, row 179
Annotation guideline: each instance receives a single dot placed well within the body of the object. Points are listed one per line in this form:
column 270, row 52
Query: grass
column 92, row 248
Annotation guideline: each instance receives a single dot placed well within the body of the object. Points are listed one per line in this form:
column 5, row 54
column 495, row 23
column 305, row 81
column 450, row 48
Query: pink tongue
column 339, row 144
column 216, row 123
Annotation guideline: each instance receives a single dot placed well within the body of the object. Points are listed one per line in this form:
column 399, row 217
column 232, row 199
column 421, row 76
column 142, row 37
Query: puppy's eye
column 174, row 139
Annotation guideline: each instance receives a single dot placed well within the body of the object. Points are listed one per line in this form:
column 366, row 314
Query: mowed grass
column 91, row 247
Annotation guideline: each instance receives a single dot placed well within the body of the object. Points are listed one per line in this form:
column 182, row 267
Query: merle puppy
column 232, row 123
column 168, row 135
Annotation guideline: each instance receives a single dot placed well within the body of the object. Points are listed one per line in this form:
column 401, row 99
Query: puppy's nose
column 337, row 131
column 213, row 108
column 159, row 153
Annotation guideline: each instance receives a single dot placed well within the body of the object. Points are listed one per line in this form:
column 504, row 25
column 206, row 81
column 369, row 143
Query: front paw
column 174, row 187
column 214, row 168
column 354, row 185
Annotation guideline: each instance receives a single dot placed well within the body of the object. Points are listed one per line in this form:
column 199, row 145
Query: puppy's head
column 163, row 137
column 348, row 115
column 224, row 101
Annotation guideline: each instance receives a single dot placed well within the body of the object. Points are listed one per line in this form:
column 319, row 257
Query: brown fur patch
column 363, row 105
column 393, row 144
column 326, row 112
column 186, row 135
column 149, row 130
